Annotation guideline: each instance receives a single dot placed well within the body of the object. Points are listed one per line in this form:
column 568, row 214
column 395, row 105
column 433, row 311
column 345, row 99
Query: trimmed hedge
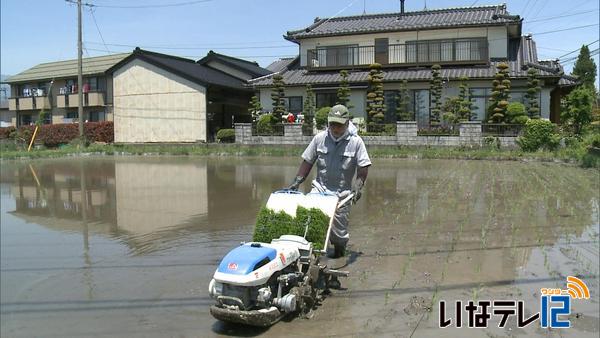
column 53, row 135
column 6, row 131
column 226, row 135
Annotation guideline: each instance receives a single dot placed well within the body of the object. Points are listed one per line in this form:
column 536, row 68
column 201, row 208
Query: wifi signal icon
column 577, row 288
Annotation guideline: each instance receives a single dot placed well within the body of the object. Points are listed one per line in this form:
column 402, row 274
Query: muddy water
column 132, row 255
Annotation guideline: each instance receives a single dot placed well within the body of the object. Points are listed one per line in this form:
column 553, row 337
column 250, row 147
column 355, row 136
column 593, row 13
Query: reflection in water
column 145, row 202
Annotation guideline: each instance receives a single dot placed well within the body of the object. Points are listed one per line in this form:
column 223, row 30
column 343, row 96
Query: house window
column 422, row 102
column 48, row 118
column 326, row 99
column 92, row 84
column 480, row 99
column 444, row 50
column 390, row 97
column 72, row 115
column 71, row 86
column 332, row 56
column 97, row 116
column 294, row 104
column 26, row 119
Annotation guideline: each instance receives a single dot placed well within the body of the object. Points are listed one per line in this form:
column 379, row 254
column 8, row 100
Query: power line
column 191, row 48
column 576, row 50
column 98, row 28
column 195, row 56
column 186, row 3
column 525, row 7
column 566, row 29
column 560, row 16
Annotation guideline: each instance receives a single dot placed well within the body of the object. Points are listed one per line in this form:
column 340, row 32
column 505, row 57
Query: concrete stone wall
column 470, row 135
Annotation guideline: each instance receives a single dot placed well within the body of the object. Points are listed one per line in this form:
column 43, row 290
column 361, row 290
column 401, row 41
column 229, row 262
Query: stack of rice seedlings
column 271, row 224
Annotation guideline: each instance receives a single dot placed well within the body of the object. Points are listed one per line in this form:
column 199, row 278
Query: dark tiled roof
column 520, row 59
column 251, row 68
column 185, row 68
column 282, row 64
column 438, row 18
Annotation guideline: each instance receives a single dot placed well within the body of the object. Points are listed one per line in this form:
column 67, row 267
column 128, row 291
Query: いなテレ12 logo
column 555, row 303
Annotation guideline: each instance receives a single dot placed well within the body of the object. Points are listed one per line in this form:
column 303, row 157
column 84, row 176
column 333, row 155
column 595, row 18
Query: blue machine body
column 243, row 259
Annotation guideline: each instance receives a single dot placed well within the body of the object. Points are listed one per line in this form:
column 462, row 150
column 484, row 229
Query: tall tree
column 375, row 98
column 403, row 111
column 277, row 96
column 309, row 105
column 254, row 108
column 343, row 93
column 500, row 94
column 533, row 93
column 435, row 88
column 585, row 68
column 578, row 110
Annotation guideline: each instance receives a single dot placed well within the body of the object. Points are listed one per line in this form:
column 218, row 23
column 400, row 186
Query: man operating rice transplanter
column 340, row 154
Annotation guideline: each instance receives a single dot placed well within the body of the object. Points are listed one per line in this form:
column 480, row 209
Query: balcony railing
column 29, row 103
column 90, row 99
column 420, row 53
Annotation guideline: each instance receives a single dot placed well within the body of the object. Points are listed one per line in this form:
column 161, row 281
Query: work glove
column 297, row 181
column 357, row 189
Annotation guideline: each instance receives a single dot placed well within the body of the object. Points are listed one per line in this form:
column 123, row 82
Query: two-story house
column 465, row 42
column 52, row 87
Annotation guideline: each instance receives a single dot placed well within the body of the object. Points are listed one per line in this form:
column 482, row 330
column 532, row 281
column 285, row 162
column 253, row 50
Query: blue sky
column 37, row 31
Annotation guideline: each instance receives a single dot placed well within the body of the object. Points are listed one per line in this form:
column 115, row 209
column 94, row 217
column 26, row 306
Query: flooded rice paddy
column 127, row 246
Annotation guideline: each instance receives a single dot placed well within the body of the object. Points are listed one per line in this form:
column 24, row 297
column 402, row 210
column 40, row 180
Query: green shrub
column 516, row 113
column 264, row 126
column 592, row 140
column 321, row 117
column 226, row 135
column 271, row 224
column 539, row 134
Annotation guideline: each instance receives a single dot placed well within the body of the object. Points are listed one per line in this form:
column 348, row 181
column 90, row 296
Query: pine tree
column 343, row 93
column 375, row 98
column 532, row 95
column 465, row 112
column 254, row 108
column 277, row 96
column 435, row 87
column 403, row 111
column 500, row 94
column 585, row 68
column 309, row 105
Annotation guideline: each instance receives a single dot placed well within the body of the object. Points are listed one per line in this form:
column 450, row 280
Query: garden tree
column 375, row 99
column 254, row 108
column 403, row 111
column 516, row 113
column 452, row 109
column 435, row 88
column 309, row 105
column 585, row 68
column 343, row 93
column 578, row 110
column 500, row 94
column 465, row 111
column 277, row 95
column 532, row 95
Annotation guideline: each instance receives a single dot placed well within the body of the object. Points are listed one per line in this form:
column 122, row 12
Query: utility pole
column 79, row 71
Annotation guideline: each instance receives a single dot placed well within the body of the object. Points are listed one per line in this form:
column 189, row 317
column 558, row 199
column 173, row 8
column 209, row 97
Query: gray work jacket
column 336, row 161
